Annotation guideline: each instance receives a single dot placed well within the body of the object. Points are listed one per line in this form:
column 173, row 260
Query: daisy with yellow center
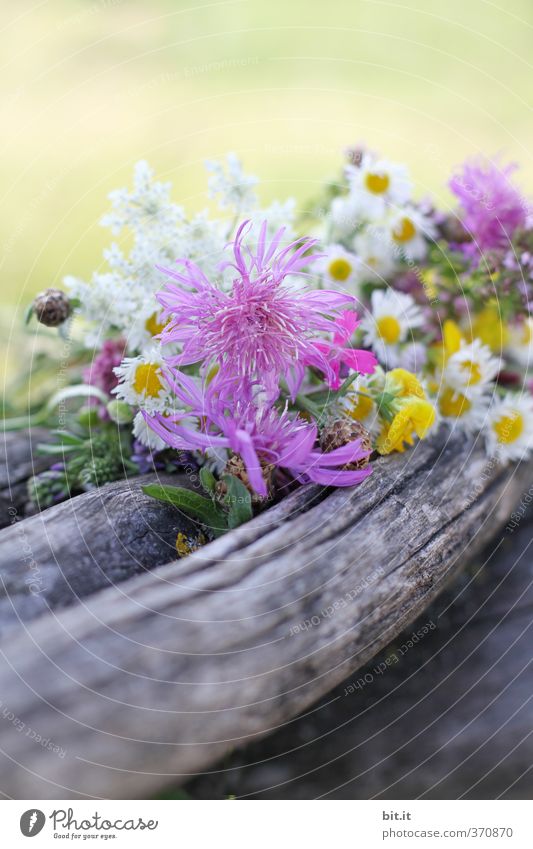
column 466, row 413
column 340, row 269
column 509, row 427
column 375, row 254
column 519, row 343
column 410, row 231
column 394, row 316
column 141, row 382
column 452, row 404
column 378, row 184
column 470, row 369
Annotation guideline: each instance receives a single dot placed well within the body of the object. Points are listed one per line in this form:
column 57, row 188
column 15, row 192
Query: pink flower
column 101, row 371
column 330, row 357
column 263, row 327
column 493, row 209
column 227, row 415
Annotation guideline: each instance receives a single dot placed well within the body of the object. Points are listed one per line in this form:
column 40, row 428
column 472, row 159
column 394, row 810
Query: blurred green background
column 90, row 86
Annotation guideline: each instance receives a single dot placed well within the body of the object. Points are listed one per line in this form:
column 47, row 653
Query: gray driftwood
column 444, row 715
column 93, row 541
column 151, row 681
column 19, row 460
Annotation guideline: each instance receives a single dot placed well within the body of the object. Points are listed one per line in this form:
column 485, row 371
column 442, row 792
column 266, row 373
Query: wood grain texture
column 446, row 715
column 92, row 541
column 148, row 682
column 19, row 460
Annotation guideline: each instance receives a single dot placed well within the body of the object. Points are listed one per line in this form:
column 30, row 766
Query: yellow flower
column 451, row 337
column 415, row 416
column 403, row 383
column 440, row 352
column 487, row 326
column 429, row 281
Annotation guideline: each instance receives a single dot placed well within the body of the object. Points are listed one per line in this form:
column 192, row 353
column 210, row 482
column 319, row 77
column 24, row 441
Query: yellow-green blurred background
column 90, row 86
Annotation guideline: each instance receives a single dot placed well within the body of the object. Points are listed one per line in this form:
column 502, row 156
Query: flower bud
column 119, row 412
column 235, row 466
column 340, row 432
column 52, row 307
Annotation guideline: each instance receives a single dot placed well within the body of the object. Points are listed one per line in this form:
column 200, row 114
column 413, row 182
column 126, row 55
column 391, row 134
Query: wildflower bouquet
column 268, row 358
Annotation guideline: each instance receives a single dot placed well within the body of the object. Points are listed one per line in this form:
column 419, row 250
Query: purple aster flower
column 493, row 208
column 263, row 325
column 226, row 415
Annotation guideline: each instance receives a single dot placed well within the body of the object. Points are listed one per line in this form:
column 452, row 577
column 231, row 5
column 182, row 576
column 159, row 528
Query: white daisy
column 375, row 250
column 519, row 346
column 413, row 357
column 378, row 184
column 142, row 383
column 471, row 368
column 344, row 216
column 409, row 230
column 394, row 315
column 465, row 414
column 509, row 427
column 146, row 436
column 339, row 267
column 144, row 325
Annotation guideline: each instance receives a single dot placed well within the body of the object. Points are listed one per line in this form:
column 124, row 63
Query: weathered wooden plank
column 19, row 460
column 444, row 712
column 93, row 541
column 155, row 679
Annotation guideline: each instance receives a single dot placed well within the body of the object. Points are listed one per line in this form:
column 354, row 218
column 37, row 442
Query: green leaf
column 207, row 479
column 199, row 508
column 68, row 438
column 346, row 384
column 239, row 501
column 28, row 314
column 58, row 448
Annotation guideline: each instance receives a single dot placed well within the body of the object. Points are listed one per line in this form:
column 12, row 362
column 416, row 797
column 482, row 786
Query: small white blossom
column 230, row 185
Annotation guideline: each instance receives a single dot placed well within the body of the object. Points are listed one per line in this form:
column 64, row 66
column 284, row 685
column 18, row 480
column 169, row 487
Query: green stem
column 24, row 422
column 302, row 402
